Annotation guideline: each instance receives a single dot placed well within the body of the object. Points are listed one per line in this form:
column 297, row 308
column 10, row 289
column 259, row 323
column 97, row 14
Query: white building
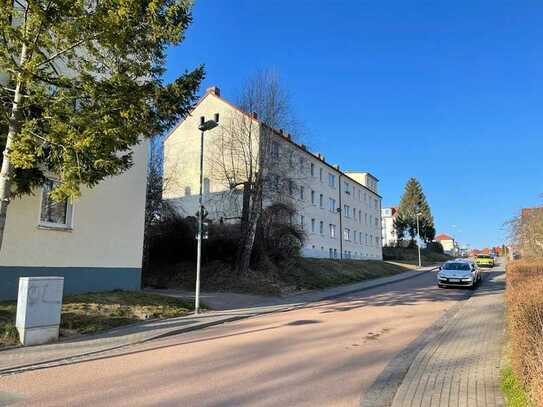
column 450, row 246
column 340, row 211
column 388, row 230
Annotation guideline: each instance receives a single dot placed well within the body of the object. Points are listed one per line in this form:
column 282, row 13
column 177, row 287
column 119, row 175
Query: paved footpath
column 460, row 366
column 69, row 351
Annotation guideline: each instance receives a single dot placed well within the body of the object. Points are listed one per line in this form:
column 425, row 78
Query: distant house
column 389, row 233
column 95, row 242
column 449, row 244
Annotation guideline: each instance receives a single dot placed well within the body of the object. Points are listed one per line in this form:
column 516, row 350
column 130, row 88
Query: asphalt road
column 326, row 354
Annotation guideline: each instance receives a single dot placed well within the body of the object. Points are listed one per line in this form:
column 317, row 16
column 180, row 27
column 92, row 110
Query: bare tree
column 247, row 160
column 526, row 231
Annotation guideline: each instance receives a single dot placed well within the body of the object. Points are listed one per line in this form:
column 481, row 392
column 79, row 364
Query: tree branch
column 71, row 47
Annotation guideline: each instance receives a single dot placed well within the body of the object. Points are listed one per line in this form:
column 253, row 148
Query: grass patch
column 410, row 256
column 97, row 312
column 308, row 274
column 515, row 395
column 296, row 274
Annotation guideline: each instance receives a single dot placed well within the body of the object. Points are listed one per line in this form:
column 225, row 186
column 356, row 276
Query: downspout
column 340, row 210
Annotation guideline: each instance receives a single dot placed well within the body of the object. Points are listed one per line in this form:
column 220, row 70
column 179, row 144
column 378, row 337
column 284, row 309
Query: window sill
column 58, row 228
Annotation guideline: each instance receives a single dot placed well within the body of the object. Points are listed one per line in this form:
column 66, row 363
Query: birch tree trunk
column 13, row 129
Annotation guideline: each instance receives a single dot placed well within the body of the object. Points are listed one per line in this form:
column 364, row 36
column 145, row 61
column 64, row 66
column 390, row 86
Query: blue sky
column 448, row 92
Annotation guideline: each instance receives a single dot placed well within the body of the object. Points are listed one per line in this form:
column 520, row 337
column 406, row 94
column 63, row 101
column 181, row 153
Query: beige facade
column 99, row 248
column 340, row 211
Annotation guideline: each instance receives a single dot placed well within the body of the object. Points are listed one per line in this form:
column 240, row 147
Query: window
column 207, row 186
column 366, row 218
column 331, row 252
column 321, row 201
column 320, row 174
column 291, row 160
column 291, row 188
column 375, row 203
column 331, row 180
column 275, row 150
column 54, row 213
column 302, row 190
column 376, row 241
column 371, row 240
column 332, row 230
column 313, row 197
column 360, row 216
column 312, row 225
column 354, row 235
column 312, row 169
column 332, row 204
column 360, row 237
column 335, row 253
column 347, row 188
column 302, row 221
column 354, row 214
column 187, row 191
column 347, row 210
column 366, row 239
column 275, row 182
column 347, row 234
column 321, row 227
column 302, row 165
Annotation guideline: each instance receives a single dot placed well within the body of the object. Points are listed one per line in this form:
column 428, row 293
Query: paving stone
column 461, row 366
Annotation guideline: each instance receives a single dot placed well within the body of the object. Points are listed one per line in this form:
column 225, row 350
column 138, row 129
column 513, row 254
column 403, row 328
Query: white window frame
column 69, row 225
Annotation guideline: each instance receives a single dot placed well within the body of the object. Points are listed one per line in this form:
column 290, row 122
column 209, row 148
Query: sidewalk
column 458, row 362
column 20, row 359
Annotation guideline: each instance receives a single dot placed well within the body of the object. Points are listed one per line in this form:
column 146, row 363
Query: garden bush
column 524, row 294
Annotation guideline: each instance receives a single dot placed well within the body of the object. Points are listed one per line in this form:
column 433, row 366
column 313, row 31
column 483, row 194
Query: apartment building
column 389, row 233
column 340, row 211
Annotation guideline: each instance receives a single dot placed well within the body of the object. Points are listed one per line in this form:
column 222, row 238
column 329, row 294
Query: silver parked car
column 459, row 273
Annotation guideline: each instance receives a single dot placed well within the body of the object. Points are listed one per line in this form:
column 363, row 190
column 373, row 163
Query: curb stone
column 383, row 391
column 384, row 388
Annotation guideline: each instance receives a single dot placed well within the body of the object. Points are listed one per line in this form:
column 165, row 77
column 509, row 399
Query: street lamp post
column 418, row 234
column 203, row 127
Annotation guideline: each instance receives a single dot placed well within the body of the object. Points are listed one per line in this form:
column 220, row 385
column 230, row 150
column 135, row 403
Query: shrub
column 435, row 247
column 524, row 296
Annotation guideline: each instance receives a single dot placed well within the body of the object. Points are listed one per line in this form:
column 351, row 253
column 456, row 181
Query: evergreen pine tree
column 414, row 201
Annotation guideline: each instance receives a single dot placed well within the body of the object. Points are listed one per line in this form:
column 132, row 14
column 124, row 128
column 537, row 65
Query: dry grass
column 524, row 295
column 98, row 312
column 410, row 256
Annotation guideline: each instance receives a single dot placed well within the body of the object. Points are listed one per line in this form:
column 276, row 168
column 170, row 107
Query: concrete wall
column 103, row 249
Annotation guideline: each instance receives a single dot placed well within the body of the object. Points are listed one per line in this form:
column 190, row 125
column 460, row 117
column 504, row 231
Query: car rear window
column 483, row 256
column 456, row 266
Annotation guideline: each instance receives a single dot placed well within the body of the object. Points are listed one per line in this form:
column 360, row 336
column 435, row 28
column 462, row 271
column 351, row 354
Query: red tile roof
column 443, row 236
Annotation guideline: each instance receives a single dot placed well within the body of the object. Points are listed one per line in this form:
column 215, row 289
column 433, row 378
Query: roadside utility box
column 39, row 304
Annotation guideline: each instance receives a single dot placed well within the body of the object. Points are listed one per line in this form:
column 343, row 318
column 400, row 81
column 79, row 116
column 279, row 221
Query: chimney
column 214, row 90
column 303, row 146
column 281, row 131
column 254, row 115
column 336, row 166
column 288, row 136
